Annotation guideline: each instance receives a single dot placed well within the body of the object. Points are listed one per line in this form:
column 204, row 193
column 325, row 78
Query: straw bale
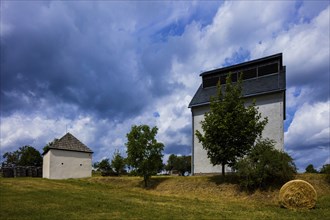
column 297, row 194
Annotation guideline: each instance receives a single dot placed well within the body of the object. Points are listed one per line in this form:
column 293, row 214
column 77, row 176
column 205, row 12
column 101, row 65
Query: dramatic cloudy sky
column 96, row 68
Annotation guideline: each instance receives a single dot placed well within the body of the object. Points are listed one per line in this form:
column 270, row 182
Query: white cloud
column 306, row 50
column 19, row 129
column 310, row 127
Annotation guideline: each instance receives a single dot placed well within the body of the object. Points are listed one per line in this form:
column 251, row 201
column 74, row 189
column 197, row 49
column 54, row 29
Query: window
column 268, row 69
column 223, row 79
column 249, row 73
column 234, row 77
column 210, row 82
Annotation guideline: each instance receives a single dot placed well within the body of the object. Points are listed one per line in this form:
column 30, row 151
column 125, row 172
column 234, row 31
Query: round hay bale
column 297, row 194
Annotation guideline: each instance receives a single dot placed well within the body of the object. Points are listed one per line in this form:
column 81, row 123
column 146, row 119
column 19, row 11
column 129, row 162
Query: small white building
column 263, row 81
column 67, row 158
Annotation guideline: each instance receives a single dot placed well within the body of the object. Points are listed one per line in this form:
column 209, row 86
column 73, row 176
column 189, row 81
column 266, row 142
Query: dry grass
column 211, row 188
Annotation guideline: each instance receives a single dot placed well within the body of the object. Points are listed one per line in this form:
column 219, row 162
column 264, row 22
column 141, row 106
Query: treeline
column 176, row 165
column 324, row 169
column 24, row 156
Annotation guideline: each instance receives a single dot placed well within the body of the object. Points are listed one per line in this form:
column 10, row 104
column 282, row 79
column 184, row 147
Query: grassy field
column 167, row 198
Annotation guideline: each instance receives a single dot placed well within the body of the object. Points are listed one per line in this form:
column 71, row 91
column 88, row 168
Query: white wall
column 270, row 106
column 45, row 165
column 67, row 164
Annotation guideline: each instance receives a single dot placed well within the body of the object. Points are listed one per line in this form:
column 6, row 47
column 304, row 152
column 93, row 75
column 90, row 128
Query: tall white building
column 264, row 81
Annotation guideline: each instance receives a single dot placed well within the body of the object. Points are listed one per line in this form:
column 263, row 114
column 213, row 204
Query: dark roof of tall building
column 260, row 79
column 70, row 143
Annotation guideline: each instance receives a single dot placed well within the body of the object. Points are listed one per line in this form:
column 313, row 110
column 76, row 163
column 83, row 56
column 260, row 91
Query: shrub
column 310, row 169
column 264, row 167
column 104, row 167
column 326, row 170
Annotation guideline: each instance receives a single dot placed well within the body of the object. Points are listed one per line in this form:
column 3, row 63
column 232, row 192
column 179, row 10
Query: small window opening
column 80, row 164
column 62, row 163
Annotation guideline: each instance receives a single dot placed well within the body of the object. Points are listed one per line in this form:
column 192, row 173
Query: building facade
column 264, row 81
column 67, row 158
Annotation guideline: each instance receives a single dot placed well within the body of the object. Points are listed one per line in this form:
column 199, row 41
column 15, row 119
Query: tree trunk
column 223, row 169
column 145, row 178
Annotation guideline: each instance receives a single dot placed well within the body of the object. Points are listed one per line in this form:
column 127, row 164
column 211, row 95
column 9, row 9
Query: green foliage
column 144, row 153
column 230, row 129
column 105, row 167
column 310, row 169
column 181, row 164
column 49, row 145
column 24, row 156
column 118, row 163
column 326, row 170
column 265, row 166
column 11, row 159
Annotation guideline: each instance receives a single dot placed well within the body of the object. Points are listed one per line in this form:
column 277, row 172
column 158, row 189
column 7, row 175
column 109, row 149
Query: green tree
column 171, row 162
column 144, row 153
column 181, row 164
column 265, row 166
column 11, row 159
column 230, row 129
column 310, row 169
column 104, row 166
column 326, row 170
column 24, row 156
column 49, row 145
column 118, row 163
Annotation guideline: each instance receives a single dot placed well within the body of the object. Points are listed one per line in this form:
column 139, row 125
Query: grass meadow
column 196, row 197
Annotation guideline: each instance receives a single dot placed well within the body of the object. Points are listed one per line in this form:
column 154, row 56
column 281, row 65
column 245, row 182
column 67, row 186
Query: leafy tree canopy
column 104, row 166
column 181, row 164
column 118, row 163
column 144, row 153
column 24, row 156
column 310, row 169
column 49, row 145
column 230, row 129
column 325, row 169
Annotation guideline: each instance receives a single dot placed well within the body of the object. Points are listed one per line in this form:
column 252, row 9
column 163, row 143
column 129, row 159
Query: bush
column 264, row 167
column 310, row 169
column 326, row 170
column 104, row 167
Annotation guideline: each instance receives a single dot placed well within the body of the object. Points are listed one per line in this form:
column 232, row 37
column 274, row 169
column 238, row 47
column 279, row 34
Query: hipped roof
column 70, row 143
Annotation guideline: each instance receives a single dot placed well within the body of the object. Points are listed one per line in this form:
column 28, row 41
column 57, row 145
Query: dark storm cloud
column 88, row 56
column 92, row 61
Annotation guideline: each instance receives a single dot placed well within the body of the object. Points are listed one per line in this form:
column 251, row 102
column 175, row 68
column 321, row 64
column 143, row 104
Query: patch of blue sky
column 305, row 11
column 297, row 92
column 156, row 114
column 239, row 56
column 288, row 119
column 202, row 15
column 174, row 29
